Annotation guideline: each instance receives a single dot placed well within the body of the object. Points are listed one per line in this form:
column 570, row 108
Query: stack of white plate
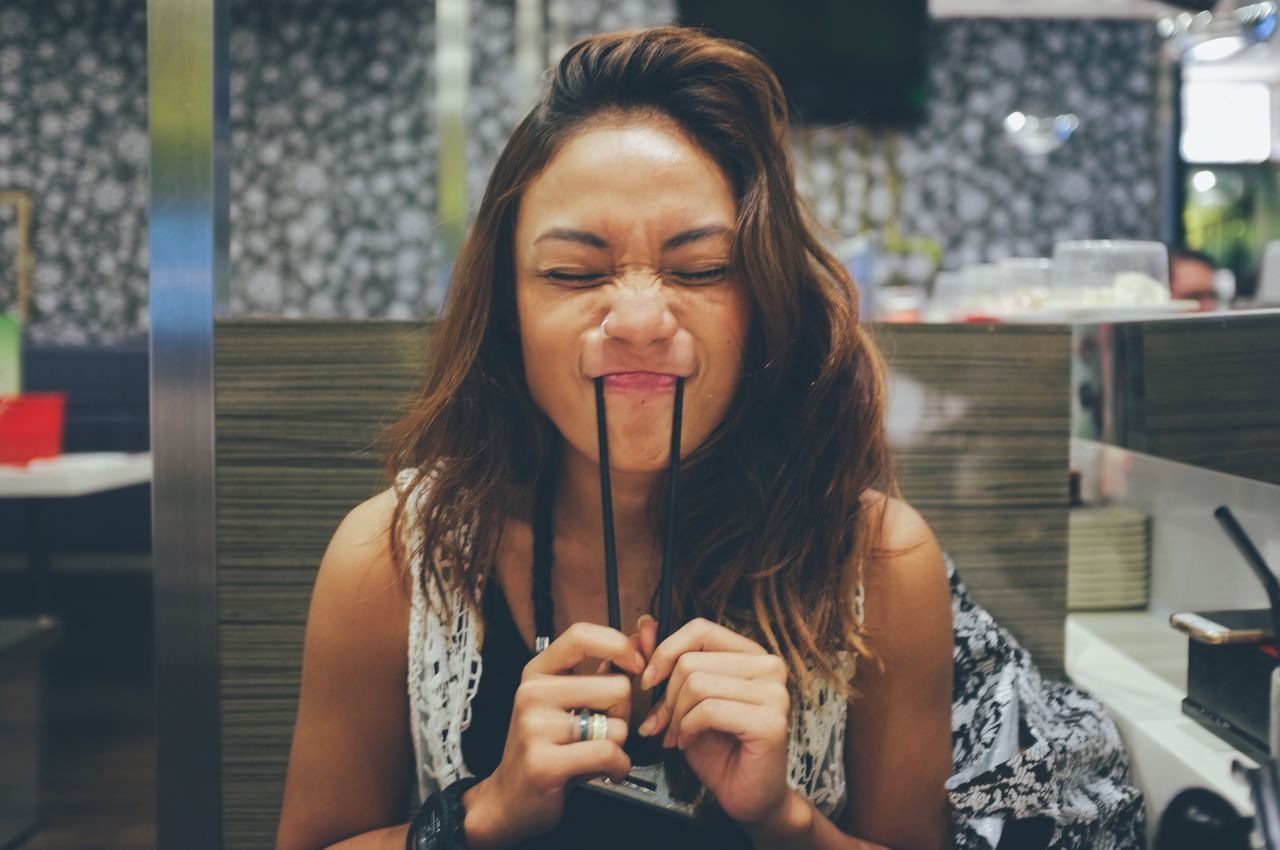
column 1109, row 559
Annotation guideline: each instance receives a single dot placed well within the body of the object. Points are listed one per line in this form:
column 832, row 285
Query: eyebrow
column 591, row 240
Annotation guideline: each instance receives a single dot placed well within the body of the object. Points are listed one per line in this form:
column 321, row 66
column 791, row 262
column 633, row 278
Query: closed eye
column 574, row 278
column 702, row 275
column 690, row 277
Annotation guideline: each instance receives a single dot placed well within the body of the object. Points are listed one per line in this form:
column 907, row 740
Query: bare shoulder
column 360, row 604
column 903, row 541
column 359, row 554
column 907, row 590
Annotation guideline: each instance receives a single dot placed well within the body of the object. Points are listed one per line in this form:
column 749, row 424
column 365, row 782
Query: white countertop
column 74, row 474
column 1137, row 665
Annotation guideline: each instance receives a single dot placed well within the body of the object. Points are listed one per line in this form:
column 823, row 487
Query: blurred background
column 934, row 143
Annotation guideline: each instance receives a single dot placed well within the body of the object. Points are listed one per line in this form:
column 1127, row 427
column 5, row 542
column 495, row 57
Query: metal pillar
column 188, row 75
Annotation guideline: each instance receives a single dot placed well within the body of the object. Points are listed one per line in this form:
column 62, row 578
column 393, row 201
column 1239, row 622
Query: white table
column 68, row 475
column 75, row 474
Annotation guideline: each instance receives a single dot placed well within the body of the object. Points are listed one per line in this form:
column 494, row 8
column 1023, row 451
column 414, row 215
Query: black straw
column 606, row 504
column 685, row 784
column 543, row 537
column 668, row 544
column 673, row 487
column 1255, row 561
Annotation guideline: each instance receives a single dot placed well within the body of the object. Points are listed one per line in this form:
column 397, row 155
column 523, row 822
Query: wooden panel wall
column 298, row 405
column 980, row 421
column 980, row 416
column 1211, row 393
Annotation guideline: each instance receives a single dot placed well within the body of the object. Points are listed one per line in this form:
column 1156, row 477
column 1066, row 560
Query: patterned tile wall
column 334, row 160
column 964, row 185
column 493, row 108
column 73, row 135
column 333, row 137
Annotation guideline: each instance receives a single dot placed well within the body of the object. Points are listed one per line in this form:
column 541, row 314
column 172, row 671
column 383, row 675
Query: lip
column 640, row 381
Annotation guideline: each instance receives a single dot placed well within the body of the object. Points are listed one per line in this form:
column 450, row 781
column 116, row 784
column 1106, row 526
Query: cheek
column 734, row 324
column 726, row 336
column 549, row 342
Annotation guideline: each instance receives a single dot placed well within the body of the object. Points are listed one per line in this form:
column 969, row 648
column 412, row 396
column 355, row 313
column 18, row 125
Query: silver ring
column 579, row 728
column 599, row 727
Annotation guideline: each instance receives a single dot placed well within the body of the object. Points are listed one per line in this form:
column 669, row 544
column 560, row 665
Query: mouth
column 640, row 381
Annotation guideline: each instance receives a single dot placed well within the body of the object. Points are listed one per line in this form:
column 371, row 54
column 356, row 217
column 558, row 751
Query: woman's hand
column 525, row 794
column 727, row 708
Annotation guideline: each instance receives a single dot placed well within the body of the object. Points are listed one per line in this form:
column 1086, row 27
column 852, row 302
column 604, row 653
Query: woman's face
column 622, row 270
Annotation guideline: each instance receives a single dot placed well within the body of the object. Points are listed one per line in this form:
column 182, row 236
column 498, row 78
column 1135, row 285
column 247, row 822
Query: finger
column 586, row 640
column 695, row 636
column 701, row 686
column 607, row 694
column 606, row 666
column 591, row 758
column 741, row 720
column 648, row 634
column 767, row 668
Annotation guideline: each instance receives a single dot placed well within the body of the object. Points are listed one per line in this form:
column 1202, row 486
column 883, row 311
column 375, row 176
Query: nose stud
column 604, row 326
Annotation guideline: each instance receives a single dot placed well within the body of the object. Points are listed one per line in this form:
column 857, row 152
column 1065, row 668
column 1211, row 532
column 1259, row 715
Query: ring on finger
column 579, row 724
column 599, row 727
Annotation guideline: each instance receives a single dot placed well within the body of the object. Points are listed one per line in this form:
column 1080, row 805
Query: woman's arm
column 898, row 738
column 351, row 764
column 898, row 735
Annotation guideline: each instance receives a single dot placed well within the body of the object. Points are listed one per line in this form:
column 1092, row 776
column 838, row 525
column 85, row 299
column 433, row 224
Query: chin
column 638, row 457
column 645, row 466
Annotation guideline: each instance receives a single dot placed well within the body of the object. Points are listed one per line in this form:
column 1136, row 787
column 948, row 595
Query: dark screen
column 837, row 60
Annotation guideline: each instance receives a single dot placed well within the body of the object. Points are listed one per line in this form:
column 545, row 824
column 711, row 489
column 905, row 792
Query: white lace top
column 444, row 673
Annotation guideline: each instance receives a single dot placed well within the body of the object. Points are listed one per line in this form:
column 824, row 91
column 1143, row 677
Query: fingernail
column 644, row 618
column 646, row 681
column 646, row 727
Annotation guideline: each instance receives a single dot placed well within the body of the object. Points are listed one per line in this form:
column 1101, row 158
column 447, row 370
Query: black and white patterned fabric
column 1037, row 763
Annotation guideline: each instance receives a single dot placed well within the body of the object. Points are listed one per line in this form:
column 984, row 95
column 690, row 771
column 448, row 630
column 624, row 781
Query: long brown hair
column 774, row 527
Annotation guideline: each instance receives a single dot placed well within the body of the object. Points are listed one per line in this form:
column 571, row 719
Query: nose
column 639, row 314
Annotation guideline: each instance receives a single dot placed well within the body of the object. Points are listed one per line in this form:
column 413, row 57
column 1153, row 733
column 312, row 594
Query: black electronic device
column 1193, row 5
column 838, row 60
column 1233, row 687
column 1229, row 692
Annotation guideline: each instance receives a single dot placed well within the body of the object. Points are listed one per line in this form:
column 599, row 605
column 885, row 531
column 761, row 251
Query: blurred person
column 1193, row 276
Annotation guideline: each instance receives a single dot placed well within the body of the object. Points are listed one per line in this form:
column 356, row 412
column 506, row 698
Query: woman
column 640, row 227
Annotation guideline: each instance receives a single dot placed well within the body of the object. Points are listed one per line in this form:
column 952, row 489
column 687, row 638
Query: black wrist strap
column 439, row 824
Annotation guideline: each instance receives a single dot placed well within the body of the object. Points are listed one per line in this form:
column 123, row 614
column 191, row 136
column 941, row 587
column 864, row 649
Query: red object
column 31, row 426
